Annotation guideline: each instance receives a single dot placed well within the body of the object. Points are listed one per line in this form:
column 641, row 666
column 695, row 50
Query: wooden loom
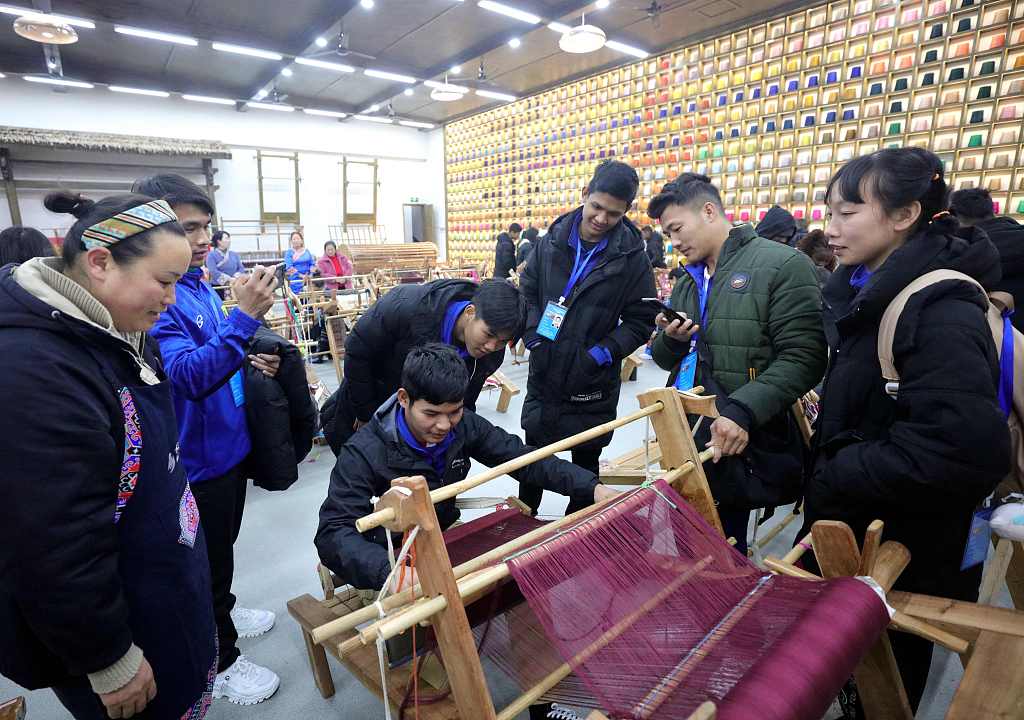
column 446, row 591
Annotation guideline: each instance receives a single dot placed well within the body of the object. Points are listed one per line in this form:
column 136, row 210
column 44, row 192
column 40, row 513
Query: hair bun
column 65, row 201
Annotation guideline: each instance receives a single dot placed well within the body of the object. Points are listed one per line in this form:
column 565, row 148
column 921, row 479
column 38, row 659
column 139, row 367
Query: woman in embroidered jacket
column 104, row 583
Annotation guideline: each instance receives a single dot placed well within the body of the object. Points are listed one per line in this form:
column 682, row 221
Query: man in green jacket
column 752, row 315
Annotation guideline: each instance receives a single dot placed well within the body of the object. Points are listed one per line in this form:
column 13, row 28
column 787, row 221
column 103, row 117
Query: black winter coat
column 1008, row 237
column 567, row 391
column 375, row 350
column 504, row 256
column 63, row 612
column 656, row 250
column 921, row 462
column 377, row 454
column 280, row 414
column 523, row 252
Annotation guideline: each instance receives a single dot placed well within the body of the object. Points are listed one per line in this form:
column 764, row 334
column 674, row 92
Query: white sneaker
column 560, row 712
column 252, row 623
column 245, row 683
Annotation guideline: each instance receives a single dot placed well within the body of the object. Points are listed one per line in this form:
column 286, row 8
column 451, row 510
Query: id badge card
column 687, row 372
column 551, row 321
column 237, row 389
column 978, row 539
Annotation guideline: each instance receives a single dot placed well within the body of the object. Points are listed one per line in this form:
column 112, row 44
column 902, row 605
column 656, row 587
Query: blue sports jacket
column 202, row 348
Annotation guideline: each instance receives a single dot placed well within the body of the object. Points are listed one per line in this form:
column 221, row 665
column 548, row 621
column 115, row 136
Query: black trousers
column 221, row 501
column 735, row 523
column 586, row 458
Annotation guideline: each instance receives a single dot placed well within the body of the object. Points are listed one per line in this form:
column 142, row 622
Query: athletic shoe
column 252, row 623
column 245, row 683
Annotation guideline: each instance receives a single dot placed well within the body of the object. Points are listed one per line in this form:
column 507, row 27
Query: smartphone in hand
column 663, row 309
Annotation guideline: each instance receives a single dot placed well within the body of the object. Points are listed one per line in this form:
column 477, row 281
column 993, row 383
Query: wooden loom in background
column 446, row 591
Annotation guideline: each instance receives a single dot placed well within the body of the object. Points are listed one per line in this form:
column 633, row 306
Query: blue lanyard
column 578, row 271
column 703, row 291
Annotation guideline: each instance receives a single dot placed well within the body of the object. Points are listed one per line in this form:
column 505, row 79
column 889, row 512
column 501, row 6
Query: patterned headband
column 127, row 223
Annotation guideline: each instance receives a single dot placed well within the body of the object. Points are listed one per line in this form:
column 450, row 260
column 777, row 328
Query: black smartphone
column 664, row 309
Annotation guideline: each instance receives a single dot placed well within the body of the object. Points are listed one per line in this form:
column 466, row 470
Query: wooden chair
column 337, row 331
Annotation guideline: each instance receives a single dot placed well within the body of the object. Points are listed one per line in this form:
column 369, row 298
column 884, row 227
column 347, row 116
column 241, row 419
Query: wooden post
column 677, row 447
column 454, row 637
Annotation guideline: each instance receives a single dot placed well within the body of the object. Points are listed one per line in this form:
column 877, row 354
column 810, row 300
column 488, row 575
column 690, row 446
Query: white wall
column 411, row 161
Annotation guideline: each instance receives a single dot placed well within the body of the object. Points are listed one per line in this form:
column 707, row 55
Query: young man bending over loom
column 422, row 430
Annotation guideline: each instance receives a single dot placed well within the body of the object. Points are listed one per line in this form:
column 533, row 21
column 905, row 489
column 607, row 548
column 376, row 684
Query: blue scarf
column 434, row 454
column 451, row 316
column 860, row 277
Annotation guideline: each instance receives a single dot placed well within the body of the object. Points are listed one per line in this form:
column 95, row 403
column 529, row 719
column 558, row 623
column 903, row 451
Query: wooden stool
column 508, row 390
column 629, row 366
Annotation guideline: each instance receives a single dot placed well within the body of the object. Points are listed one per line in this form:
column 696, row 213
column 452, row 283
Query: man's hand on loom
column 727, row 438
column 603, row 492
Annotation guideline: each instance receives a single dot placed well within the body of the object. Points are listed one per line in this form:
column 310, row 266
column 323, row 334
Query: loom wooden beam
column 694, row 403
column 958, row 614
column 869, row 552
column 677, row 448
column 451, row 627
column 991, row 685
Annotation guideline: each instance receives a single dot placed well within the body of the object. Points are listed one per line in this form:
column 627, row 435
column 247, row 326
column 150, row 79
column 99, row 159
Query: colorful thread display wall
column 768, row 112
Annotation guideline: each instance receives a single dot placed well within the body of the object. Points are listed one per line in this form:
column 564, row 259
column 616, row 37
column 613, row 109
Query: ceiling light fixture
column 413, row 123
column 261, row 94
column 446, row 85
column 287, row 72
column 2, row 76
column 137, row 91
column 242, row 50
column 208, row 99
column 514, row 43
column 35, row 15
column 372, row 109
column 57, row 81
column 389, row 76
column 602, row 4
column 270, row 106
column 455, row 69
column 583, row 38
column 627, row 49
column 408, row 92
column 495, row 95
column 324, row 113
column 154, row 35
column 41, row 29
column 445, row 91
column 321, row 42
column 337, row 67
column 371, row 118
column 367, row 4
column 509, row 11
column 559, row 27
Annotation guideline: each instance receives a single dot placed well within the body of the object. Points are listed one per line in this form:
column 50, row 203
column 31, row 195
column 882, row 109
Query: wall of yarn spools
column 769, row 112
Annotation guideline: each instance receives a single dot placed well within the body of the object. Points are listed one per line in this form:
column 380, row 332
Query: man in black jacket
column 654, row 243
column 478, row 320
column 973, row 207
column 505, row 251
column 423, row 430
column 525, row 247
column 584, row 286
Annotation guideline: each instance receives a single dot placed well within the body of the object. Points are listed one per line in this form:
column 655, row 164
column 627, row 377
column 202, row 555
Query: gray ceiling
column 422, row 38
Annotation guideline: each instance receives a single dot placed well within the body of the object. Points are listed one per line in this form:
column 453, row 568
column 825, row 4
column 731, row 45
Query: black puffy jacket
column 377, row 454
column 375, row 350
column 921, row 462
column 567, row 391
column 1008, row 237
column 504, row 256
column 280, row 414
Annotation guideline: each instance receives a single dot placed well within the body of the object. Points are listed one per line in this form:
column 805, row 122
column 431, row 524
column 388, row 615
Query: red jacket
column 328, row 269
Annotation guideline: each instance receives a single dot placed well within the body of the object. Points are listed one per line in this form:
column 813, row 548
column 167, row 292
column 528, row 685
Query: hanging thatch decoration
column 110, row 142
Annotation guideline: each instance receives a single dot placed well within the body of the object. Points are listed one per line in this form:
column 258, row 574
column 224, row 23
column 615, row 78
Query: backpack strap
column 891, row 318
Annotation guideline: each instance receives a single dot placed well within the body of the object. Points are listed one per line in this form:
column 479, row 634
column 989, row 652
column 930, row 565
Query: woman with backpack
column 924, row 458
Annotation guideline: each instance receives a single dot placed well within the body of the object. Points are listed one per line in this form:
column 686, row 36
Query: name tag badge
column 687, row 372
column 978, row 540
column 551, row 321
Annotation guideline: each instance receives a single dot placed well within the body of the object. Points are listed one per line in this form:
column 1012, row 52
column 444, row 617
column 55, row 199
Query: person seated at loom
column 477, row 320
column 424, row 429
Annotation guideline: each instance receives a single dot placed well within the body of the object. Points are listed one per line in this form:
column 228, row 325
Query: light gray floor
column 276, row 561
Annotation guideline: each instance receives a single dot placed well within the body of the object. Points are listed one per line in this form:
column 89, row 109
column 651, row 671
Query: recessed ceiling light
column 408, row 91
column 559, row 27
column 602, row 4
column 2, row 76
column 270, row 106
column 627, row 49
column 514, row 43
column 242, row 50
column 261, row 94
column 495, row 95
column 33, row 14
column 509, row 11
column 137, row 91
column 368, row 4
column 337, row 67
column 413, row 123
column 57, row 81
column 372, row 109
column 208, row 99
column 389, row 76
column 455, row 69
column 371, row 118
column 287, row 72
column 321, row 42
column 324, row 113
column 154, row 35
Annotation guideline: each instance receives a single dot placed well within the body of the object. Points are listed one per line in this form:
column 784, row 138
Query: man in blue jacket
column 204, row 350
